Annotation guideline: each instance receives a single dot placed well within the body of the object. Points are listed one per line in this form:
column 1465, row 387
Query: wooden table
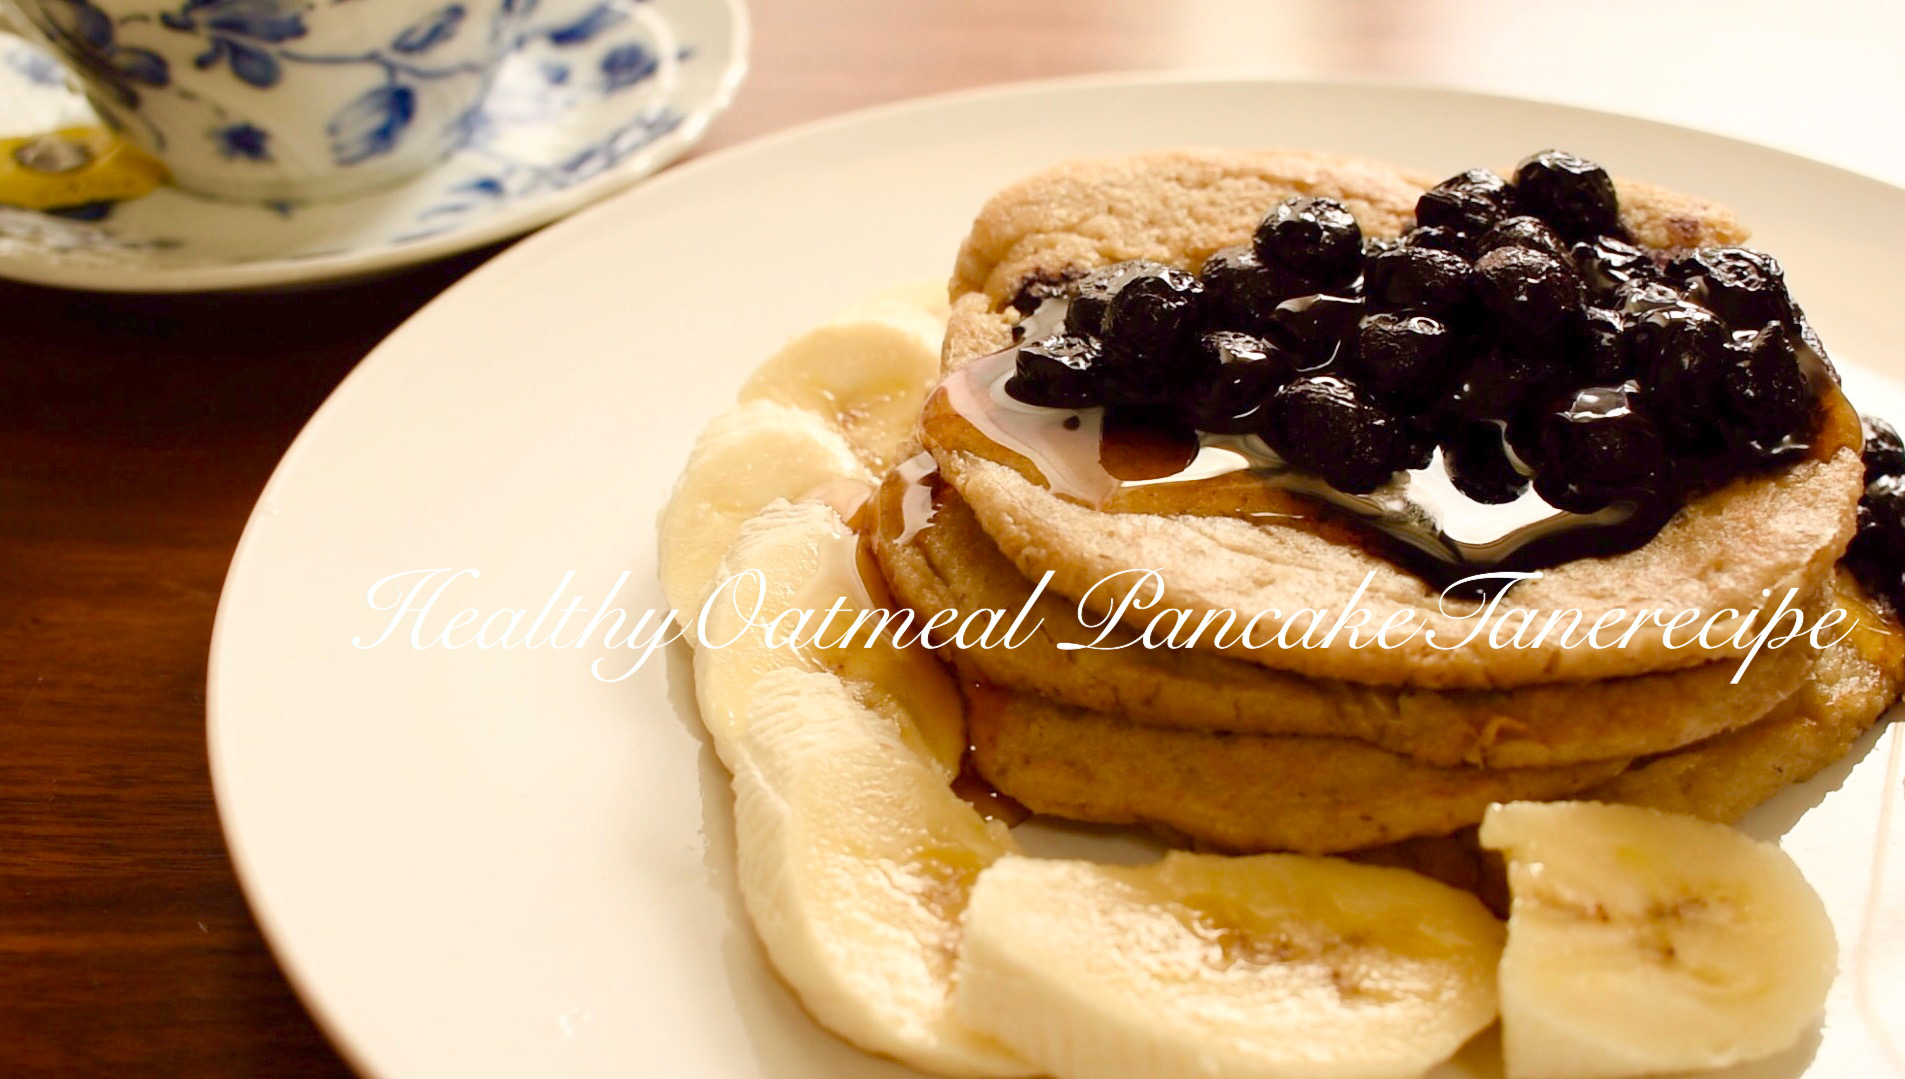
column 135, row 433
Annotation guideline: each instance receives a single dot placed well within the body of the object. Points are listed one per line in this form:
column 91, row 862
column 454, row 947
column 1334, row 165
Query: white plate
column 487, row 863
column 595, row 95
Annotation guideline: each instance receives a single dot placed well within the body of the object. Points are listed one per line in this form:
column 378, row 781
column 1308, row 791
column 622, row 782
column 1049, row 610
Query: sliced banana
column 798, row 557
column 1642, row 942
column 856, row 861
column 867, row 372
column 1264, row 967
column 748, row 457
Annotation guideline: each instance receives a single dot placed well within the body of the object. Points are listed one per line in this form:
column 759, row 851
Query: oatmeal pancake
column 1724, row 777
column 1320, row 795
column 1237, row 792
column 1723, row 551
column 950, row 564
column 1851, row 687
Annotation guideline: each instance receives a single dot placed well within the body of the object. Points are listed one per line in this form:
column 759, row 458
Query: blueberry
column 1884, row 454
column 1060, row 371
column 1475, row 453
column 1240, row 292
column 1522, row 231
column 1041, row 286
column 1743, row 286
column 1150, row 330
column 1314, row 327
column 1573, row 195
column 1324, row 425
column 1768, row 396
column 1245, row 372
column 1607, row 263
column 1417, row 279
column 1877, row 552
column 1091, row 297
column 1597, row 446
column 1315, row 238
column 1376, row 245
column 1499, row 384
column 1680, row 352
column 1533, row 291
column 1440, row 238
column 1402, row 357
column 1604, row 355
column 1469, row 203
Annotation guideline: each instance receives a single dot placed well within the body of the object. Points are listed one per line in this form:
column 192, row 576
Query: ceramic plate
column 595, row 95
column 486, row 862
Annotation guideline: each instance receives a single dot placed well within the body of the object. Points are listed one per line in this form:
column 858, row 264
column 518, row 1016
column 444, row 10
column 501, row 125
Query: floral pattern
column 243, row 140
column 239, row 33
column 86, row 34
column 588, row 90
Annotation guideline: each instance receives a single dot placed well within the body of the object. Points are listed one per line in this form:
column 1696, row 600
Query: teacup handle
column 11, row 21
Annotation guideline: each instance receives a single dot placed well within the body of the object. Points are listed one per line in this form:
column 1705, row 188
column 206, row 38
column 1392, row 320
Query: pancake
column 1723, row 778
column 1319, row 795
column 1851, row 686
column 950, row 564
column 1723, row 552
column 1237, row 792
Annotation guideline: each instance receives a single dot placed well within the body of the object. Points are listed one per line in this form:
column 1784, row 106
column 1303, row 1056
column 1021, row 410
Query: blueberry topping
column 1315, row 238
column 1440, row 238
column 1604, row 354
column 1041, row 286
column 1245, row 372
column 1060, row 371
column 1877, row 550
column 1417, row 279
column 1532, row 291
column 1681, row 357
column 1475, row 453
column 1150, row 328
column 1324, row 425
column 1499, row 384
column 1469, row 203
column 1598, row 447
column 1574, row 196
column 1884, row 453
column 1523, row 230
column 1607, row 263
column 1743, row 286
column 1514, row 326
column 1240, row 292
column 1767, row 392
column 1314, row 326
column 1402, row 357
column 1091, row 297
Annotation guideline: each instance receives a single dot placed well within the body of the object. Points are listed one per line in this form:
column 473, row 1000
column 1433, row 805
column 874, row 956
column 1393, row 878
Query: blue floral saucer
column 595, row 95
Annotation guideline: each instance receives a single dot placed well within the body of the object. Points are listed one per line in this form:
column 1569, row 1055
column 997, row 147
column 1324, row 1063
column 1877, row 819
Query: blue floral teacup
column 283, row 100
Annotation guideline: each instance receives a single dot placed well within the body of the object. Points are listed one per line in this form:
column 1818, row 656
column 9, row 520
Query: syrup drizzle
column 916, row 502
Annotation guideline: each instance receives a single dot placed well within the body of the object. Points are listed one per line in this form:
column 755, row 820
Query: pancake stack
column 1254, row 745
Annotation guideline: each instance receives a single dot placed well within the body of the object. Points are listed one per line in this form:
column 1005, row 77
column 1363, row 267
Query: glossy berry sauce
column 1508, row 385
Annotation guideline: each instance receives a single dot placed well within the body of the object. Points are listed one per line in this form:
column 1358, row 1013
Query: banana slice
column 1277, row 965
column 749, row 456
column 797, row 557
column 867, row 372
column 856, row 861
column 1643, row 942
